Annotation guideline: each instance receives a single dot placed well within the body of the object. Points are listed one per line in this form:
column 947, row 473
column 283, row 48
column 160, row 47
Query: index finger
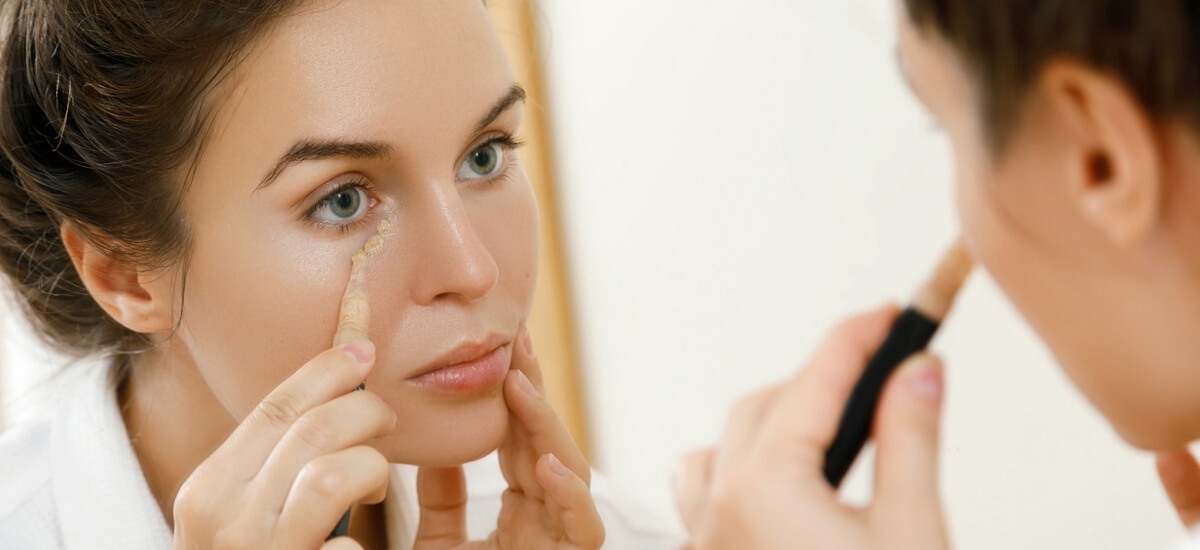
column 527, row 363
column 544, row 431
column 332, row 373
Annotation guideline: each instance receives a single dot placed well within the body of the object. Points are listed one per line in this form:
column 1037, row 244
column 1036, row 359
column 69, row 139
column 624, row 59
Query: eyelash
column 507, row 141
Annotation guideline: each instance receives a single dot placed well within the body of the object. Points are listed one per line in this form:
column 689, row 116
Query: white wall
column 735, row 177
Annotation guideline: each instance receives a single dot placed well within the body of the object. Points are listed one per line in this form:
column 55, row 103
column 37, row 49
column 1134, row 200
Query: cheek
column 999, row 209
column 255, row 310
column 975, row 204
column 1020, row 227
column 1004, row 232
column 508, row 228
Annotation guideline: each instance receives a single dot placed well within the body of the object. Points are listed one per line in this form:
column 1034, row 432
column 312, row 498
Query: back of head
column 1150, row 45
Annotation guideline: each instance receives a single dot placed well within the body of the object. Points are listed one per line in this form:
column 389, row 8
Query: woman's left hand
column 548, row 504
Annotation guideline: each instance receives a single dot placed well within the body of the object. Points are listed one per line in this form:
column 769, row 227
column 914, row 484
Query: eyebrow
column 320, row 149
column 516, row 94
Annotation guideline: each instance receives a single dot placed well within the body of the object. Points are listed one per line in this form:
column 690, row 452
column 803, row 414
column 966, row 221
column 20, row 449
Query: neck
column 172, row 419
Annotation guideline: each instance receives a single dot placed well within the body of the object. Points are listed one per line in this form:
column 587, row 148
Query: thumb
column 1180, row 476
column 442, row 495
column 906, row 435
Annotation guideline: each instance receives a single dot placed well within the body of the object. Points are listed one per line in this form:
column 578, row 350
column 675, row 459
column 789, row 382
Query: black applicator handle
column 343, row 525
column 911, row 332
column 342, row 528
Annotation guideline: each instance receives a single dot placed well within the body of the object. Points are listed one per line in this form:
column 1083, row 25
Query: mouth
column 470, row 368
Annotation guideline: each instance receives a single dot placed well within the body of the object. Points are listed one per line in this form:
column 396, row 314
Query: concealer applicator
column 911, row 332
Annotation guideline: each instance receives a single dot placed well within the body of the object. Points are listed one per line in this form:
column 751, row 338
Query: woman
column 1076, row 133
column 184, row 185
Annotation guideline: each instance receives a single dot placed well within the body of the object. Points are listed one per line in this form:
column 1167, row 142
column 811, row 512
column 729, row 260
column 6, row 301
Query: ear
column 139, row 300
column 1115, row 158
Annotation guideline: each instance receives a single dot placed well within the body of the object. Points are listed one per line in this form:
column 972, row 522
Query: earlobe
column 121, row 288
column 1116, row 162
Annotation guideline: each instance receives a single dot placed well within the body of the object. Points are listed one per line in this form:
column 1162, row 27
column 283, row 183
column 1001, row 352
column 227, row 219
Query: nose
column 452, row 263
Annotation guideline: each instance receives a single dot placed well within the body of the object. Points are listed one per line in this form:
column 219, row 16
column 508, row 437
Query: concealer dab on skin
column 355, row 315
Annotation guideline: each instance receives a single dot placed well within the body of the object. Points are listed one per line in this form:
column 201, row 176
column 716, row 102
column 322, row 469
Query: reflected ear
column 138, row 300
column 1115, row 159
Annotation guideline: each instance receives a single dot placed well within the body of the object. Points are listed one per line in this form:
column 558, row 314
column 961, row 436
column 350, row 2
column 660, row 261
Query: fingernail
column 526, row 384
column 360, row 350
column 556, row 466
column 528, row 342
column 927, row 382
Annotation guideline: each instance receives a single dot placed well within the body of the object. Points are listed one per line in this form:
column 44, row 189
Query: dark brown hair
column 1150, row 45
column 102, row 108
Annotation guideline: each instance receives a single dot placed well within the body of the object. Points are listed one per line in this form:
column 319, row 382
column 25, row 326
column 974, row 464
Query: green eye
column 483, row 162
column 341, row 206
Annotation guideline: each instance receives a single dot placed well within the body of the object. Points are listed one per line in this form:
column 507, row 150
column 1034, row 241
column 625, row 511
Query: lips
column 468, row 368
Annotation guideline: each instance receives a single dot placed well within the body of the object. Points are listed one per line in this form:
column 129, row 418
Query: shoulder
column 24, row 465
column 28, row 516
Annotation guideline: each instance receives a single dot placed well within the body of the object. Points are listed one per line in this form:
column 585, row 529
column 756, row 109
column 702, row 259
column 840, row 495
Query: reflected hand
column 763, row 486
column 1180, row 476
column 548, row 503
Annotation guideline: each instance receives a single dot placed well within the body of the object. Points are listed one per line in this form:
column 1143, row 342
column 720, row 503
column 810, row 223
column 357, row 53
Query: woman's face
column 340, row 115
column 1115, row 319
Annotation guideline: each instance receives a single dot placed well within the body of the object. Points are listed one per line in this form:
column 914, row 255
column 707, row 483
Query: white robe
column 72, row 481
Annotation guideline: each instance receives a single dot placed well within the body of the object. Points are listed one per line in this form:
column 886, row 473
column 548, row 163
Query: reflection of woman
column 1076, row 130
column 184, row 185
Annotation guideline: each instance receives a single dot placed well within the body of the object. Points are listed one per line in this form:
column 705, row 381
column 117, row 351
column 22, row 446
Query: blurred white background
column 734, row 178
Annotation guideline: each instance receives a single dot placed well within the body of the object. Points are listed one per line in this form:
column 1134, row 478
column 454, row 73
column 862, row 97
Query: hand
column 548, row 504
column 763, row 486
column 290, row 470
column 1180, row 476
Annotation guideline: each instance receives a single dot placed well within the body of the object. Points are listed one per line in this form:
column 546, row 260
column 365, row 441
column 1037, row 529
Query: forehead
column 367, row 69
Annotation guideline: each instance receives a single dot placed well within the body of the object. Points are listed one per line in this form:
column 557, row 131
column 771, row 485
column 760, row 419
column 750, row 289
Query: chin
column 447, row 432
column 1140, row 440
column 1140, row 413
column 1153, row 438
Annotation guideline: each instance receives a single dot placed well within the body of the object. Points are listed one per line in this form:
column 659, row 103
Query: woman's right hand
column 290, row 470
column 763, row 486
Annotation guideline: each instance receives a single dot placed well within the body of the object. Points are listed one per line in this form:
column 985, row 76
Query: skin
column 242, row 417
column 1086, row 218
